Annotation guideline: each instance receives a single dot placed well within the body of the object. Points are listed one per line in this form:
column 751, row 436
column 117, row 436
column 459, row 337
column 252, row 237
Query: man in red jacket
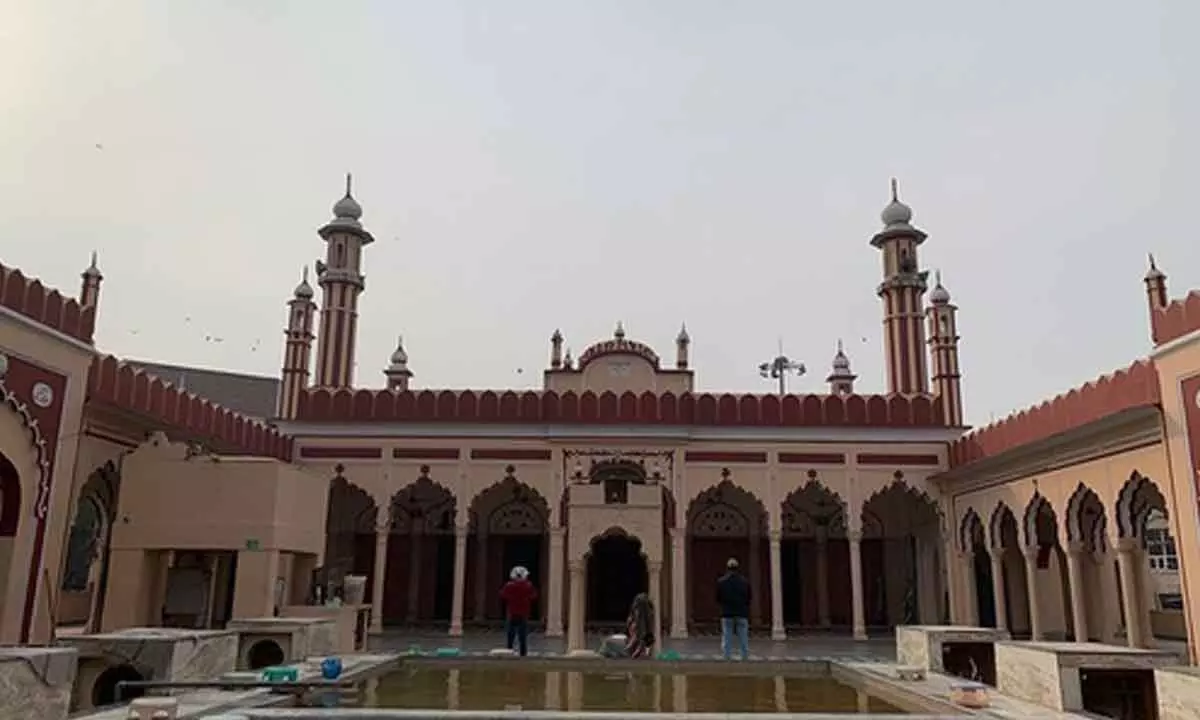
column 518, row 595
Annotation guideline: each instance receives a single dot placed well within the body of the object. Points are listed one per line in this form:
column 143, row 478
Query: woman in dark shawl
column 640, row 627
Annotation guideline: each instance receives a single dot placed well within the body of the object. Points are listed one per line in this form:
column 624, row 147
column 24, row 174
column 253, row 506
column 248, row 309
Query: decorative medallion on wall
column 43, row 395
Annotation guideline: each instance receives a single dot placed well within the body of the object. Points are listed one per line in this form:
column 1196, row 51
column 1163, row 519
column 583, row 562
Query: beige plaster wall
column 172, row 502
column 1178, row 363
column 51, row 351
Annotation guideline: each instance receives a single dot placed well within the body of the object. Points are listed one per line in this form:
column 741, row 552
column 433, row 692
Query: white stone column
column 554, row 593
column 777, row 629
column 1035, row 606
column 654, row 573
column 822, row 577
column 679, row 609
column 856, row 585
column 754, row 568
column 1130, row 599
column 966, row 564
column 1000, row 599
column 382, row 532
column 481, row 583
column 414, row 571
column 1078, row 599
column 575, row 616
column 460, row 580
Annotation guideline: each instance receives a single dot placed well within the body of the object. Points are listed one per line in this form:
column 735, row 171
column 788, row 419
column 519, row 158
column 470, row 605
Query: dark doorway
column 526, row 551
column 985, row 601
column 1119, row 694
column 265, row 654
column 616, row 572
column 443, row 578
column 105, row 691
column 794, row 578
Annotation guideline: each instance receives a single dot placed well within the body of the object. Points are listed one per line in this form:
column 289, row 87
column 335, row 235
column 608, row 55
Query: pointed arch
column 1002, row 518
column 969, row 530
column 510, row 507
column 1138, row 497
column 1085, row 516
column 811, row 507
column 1040, row 521
column 424, row 502
column 912, row 508
column 726, row 510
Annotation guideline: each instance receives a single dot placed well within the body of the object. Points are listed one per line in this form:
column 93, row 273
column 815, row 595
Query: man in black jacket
column 733, row 595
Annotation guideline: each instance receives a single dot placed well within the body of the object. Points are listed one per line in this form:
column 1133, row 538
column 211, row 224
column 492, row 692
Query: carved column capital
column 1127, row 545
column 1030, row 552
column 1076, row 547
column 576, row 566
column 461, row 532
column 654, row 566
column 854, row 536
column 775, row 536
column 382, row 528
column 557, row 534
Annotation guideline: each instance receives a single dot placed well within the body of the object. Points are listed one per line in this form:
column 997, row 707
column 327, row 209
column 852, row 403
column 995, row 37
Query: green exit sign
column 253, row 544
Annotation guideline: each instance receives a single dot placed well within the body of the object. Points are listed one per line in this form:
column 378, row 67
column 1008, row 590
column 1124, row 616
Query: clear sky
column 533, row 164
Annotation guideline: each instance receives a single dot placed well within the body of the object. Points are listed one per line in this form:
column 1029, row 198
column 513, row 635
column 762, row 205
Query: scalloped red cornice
column 45, row 306
column 1177, row 319
column 1134, row 386
column 467, row 406
column 112, row 381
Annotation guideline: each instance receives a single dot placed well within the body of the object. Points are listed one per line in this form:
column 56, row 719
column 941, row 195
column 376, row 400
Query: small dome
column 399, row 357
column 896, row 213
column 347, row 210
column 1154, row 273
column 93, row 270
column 683, row 338
column 557, row 337
column 619, row 333
column 939, row 295
column 304, row 291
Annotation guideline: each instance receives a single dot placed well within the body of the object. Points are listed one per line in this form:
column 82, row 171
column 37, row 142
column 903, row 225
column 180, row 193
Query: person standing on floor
column 733, row 595
column 518, row 595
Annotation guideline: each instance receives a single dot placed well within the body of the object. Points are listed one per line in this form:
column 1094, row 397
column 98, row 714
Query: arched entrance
column 350, row 523
column 510, row 521
column 10, row 517
column 901, row 540
column 1087, row 531
column 1006, row 539
column 726, row 521
column 1146, row 557
column 85, row 573
column 616, row 572
column 420, row 564
column 814, row 555
column 973, row 540
column 1051, row 588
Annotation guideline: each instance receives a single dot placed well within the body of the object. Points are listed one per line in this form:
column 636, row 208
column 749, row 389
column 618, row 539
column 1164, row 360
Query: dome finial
column 619, row 333
column 350, row 183
column 896, row 214
column 1153, row 273
column 304, row 291
column 683, row 336
column 940, row 295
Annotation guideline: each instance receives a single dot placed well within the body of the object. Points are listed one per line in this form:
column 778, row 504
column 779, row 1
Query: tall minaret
column 683, row 342
column 902, row 288
column 341, row 279
column 841, row 380
column 89, row 291
column 297, row 349
column 397, row 372
column 943, row 348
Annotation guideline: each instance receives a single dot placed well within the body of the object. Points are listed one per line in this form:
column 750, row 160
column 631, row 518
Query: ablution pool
column 512, row 687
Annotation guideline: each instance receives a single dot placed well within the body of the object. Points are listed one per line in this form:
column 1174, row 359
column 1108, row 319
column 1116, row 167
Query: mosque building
column 149, row 494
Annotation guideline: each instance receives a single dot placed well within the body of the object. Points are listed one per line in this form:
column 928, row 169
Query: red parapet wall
column 112, row 381
column 45, row 306
column 1135, row 386
column 1177, row 319
column 468, row 406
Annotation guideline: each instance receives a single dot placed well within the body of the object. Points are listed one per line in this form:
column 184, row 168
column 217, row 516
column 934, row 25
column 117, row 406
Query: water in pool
column 504, row 688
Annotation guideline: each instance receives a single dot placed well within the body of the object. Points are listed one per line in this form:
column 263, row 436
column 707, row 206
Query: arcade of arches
column 1044, row 569
column 443, row 559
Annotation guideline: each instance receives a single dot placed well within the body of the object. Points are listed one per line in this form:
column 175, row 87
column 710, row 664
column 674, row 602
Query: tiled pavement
column 477, row 643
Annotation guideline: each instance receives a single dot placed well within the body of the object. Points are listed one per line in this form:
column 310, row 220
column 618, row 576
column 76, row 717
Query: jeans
column 517, row 629
column 739, row 626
